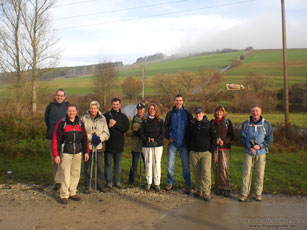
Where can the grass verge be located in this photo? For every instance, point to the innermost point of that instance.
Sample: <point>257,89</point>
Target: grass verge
<point>285,173</point>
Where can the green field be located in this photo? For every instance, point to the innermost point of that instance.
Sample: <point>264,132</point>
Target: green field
<point>296,119</point>
<point>83,85</point>
<point>213,62</point>
<point>270,64</point>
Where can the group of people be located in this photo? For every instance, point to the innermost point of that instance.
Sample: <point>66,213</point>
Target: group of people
<point>206,143</point>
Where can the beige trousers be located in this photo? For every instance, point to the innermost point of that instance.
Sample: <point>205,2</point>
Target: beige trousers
<point>247,173</point>
<point>201,162</point>
<point>56,169</point>
<point>71,167</point>
<point>152,159</point>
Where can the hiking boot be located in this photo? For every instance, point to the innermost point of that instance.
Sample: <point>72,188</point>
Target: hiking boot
<point>86,191</point>
<point>242,198</point>
<point>157,188</point>
<point>226,193</point>
<point>147,187</point>
<point>258,198</point>
<point>196,193</point>
<point>75,197</point>
<point>118,185</point>
<point>206,198</point>
<point>109,185</point>
<point>187,190</point>
<point>57,186</point>
<point>169,187</point>
<point>218,192</point>
<point>101,189</point>
<point>64,201</point>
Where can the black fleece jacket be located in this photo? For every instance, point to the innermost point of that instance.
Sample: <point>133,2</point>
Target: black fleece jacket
<point>152,128</point>
<point>115,144</point>
<point>201,136</point>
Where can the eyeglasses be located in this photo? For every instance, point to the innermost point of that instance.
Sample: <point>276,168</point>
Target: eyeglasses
<point>60,95</point>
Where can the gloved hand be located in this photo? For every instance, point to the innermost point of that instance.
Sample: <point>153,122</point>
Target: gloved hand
<point>95,140</point>
<point>152,144</point>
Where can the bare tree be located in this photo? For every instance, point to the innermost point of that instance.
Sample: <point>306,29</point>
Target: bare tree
<point>26,44</point>
<point>11,47</point>
<point>105,82</point>
<point>40,53</point>
<point>132,88</point>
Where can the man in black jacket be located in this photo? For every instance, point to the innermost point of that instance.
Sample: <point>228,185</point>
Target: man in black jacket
<point>54,112</point>
<point>201,140</point>
<point>118,124</point>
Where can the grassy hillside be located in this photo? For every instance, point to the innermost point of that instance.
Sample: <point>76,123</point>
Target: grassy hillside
<point>213,62</point>
<point>270,64</point>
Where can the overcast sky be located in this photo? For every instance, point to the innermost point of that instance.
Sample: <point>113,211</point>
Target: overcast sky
<point>91,31</point>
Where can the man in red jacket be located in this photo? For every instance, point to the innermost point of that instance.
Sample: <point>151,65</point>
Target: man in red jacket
<point>70,135</point>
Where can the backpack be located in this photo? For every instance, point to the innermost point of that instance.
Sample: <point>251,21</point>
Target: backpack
<point>251,125</point>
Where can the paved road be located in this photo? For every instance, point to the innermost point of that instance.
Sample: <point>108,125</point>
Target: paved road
<point>274,212</point>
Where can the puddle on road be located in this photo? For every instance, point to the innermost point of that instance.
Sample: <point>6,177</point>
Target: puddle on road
<point>274,212</point>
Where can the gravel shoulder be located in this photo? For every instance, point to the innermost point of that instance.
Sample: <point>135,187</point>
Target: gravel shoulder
<point>35,207</point>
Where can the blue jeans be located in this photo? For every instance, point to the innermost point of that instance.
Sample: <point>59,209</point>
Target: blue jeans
<point>116,157</point>
<point>185,160</point>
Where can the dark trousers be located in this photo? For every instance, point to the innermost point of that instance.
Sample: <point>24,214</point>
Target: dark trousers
<point>108,167</point>
<point>134,167</point>
<point>87,171</point>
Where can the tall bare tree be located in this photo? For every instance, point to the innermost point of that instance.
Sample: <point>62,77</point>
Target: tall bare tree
<point>40,52</point>
<point>11,46</point>
<point>105,82</point>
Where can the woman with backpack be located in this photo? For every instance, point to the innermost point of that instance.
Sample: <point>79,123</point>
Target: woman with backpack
<point>220,162</point>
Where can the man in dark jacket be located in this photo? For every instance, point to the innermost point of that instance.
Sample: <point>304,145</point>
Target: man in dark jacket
<point>118,124</point>
<point>136,141</point>
<point>54,112</point>
<point>176,122</point>
<point>201,142</point>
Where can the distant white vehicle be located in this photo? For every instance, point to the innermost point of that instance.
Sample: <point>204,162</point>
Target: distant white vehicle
<point>235,87</point>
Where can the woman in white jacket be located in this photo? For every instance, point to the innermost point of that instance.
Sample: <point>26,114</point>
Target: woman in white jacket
<point>97,133</point>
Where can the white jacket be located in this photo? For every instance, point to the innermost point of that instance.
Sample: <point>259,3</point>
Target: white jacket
<point>96,125</point>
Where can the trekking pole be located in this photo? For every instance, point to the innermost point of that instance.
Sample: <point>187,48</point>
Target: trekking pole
<point>140,159</point>
<point>251,174</point>
<point>91,157</point>
<point>225,166</point>
<point>95,152</point>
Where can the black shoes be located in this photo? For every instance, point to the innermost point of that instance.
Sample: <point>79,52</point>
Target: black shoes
<point>57,186</point>
<point>187,190</point>
<point>64,201</point>
<point>226,193</point>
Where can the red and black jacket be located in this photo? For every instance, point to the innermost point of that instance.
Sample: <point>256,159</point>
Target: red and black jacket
<point>72,135</point>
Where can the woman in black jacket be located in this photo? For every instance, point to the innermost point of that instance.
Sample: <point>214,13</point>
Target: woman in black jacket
<point>220,163</point>
<point>152,135</point>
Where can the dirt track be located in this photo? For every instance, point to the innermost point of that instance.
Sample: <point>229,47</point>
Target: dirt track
<point>35,207</point>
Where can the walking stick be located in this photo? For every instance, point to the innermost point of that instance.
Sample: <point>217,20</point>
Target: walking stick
<point>95,152</point>
<point>251,174</point>
<point>90,187</point>
<point>225,166</point>
<point>140,156</point>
